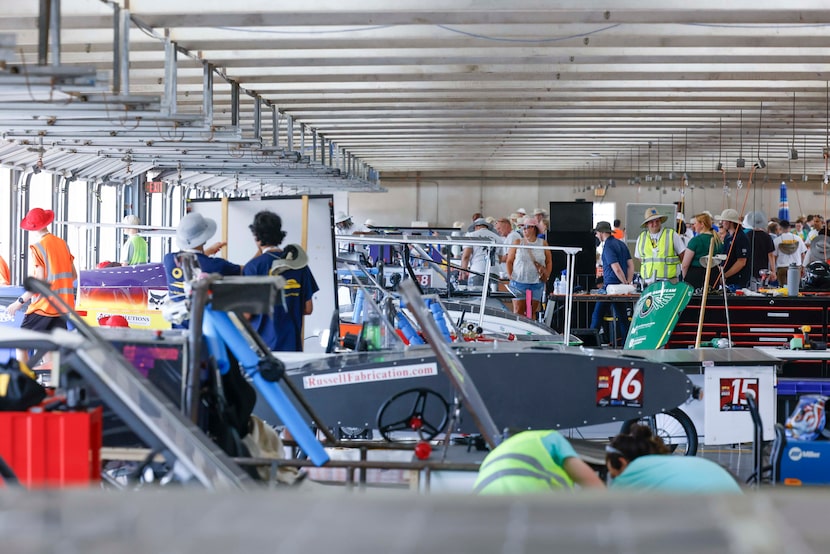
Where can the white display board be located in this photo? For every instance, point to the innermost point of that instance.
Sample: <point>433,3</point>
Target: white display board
<point>726,414</point>
<point>316,220</point>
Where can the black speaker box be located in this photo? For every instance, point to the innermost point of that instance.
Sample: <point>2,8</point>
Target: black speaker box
<point>570,217</point>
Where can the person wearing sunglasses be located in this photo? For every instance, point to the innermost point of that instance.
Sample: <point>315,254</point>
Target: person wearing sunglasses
<point>528,268</point>
<point>642,461</point>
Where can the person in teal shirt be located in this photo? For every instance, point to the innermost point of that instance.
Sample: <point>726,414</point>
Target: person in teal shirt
<point>639,460</point>
<point>534,462</point>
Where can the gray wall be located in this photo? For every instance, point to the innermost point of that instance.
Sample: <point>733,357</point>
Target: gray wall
<point>441,198</point>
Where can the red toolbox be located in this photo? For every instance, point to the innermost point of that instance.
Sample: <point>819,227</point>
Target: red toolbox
<point>53,449</point>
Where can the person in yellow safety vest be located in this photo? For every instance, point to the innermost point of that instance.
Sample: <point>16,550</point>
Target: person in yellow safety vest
<point>658,249</point>
<point>534,462</point>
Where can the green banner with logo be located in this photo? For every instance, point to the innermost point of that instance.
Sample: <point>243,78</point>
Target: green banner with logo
<point>656,314</point>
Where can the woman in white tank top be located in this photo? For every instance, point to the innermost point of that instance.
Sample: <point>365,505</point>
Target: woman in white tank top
<point>528,269</point>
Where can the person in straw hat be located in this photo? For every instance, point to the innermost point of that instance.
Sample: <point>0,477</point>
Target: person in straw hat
<point>53,263</point>
<point>658,249</point>
<point>736,247</point>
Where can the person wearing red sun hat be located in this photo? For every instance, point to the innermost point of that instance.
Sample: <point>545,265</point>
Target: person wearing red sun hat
<point>53,263</point>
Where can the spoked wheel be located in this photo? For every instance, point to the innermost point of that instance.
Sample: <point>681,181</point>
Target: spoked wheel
<point>675,427</point>
<point>421,410</point>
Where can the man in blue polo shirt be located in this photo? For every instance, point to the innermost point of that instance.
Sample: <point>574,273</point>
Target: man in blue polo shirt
<point>617,269</point>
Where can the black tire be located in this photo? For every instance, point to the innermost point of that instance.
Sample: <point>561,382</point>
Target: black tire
<point>675,427</point>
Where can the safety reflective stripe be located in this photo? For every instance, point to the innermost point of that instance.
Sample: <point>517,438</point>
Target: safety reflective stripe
<point>61,282</point>
<point>537,472</point>
<point>514,472</point>
<point>652,261</point>
<point>524,458</point>
<point>54,277</point>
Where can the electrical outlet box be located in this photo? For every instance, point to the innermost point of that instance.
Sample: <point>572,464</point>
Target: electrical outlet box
<point>740,162</point>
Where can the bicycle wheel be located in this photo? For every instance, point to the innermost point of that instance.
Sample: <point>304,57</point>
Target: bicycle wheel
<point>675,427</point>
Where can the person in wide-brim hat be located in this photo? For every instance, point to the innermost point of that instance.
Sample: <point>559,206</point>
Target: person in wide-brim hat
<point>341,216</point>
<point>730,214</point>
<point>194,230</point>
<point>652,214</point>
<point>49,260</point>
<point>603,227</point>
<point>37,219</point>
<point>756,220</point>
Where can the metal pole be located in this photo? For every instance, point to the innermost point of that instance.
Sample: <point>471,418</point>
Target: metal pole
<point>55,32</point>
<point>170,76</point>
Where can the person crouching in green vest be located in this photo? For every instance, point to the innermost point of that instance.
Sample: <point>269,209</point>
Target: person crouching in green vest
<point>534,462</point>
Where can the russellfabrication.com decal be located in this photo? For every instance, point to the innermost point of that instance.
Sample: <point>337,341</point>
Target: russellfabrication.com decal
<point>369,375</point>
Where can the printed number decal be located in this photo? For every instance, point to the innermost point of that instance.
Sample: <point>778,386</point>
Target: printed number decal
<point>425,279</point>
<point>620,386</point>
<point>733,393</point>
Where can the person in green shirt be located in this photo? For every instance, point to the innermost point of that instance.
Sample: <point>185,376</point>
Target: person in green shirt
<point>134,250</point>
<point>693,270</point>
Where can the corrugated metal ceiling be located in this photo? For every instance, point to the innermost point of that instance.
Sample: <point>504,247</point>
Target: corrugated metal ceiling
<point>370,86</point>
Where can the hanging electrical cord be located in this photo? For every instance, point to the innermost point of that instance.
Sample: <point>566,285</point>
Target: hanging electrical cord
<point>757,165</point>
<point>740,162</point>
<point>793,152</point>
<point>749,186</point>
<point>793,181</point>
<point>683,178</point>
<point>720,167</point>
<point>658,158</point>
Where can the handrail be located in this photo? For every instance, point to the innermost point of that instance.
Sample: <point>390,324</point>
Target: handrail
<point>569,251</point>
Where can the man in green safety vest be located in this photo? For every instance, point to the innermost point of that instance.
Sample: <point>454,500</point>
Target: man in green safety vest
<point>658,249</point>
<point>534,462</point>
